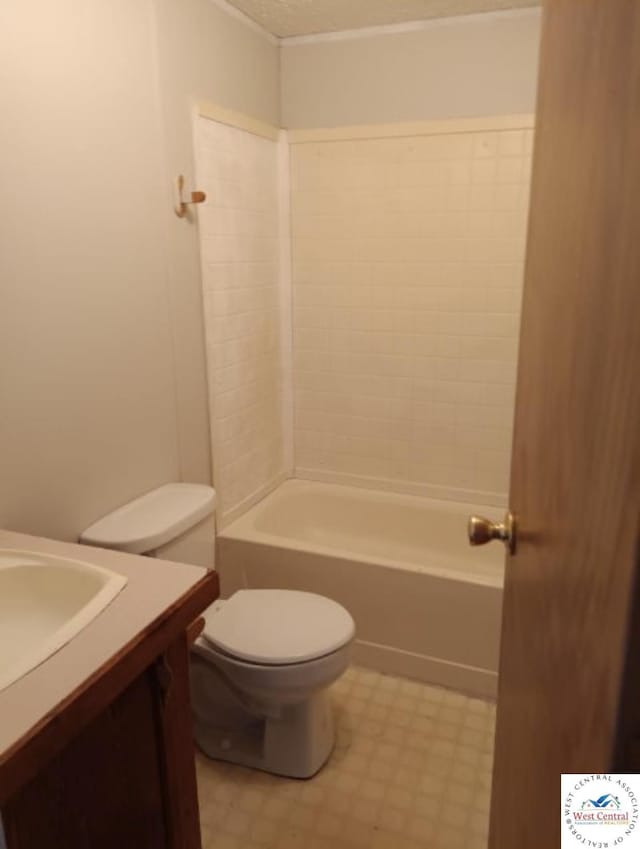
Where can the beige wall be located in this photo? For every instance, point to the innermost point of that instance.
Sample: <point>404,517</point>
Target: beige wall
<point>203,53</point>
<point>459,67</point>
<point>102,369</point>
<point>86,376</point>
<point>88,326</point>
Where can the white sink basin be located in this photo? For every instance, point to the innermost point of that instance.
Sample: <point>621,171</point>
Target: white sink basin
<point>44,602</point>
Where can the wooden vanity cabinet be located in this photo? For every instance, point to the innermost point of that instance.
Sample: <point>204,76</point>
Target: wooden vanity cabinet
<point>113,767</point>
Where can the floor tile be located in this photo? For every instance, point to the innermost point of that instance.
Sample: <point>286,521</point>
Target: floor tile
<point>411,769</point>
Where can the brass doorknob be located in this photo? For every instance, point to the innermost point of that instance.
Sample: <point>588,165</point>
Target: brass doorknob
<point>482,531</point>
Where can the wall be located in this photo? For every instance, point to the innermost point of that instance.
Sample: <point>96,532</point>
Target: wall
<point>240,235</point>
<point>102,368</point>
<point>204,53</point>
<point>86,375</point>
<point>454,67</point>
<point>407,272</point>
<point>92,345</point>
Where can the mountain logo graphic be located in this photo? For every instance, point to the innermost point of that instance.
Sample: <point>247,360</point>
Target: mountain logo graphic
<point>606,801</point>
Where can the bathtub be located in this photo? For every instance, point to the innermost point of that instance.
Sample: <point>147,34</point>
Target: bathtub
<point>426,605</point>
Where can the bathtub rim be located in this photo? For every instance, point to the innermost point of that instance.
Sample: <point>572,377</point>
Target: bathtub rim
<point>243,529</point>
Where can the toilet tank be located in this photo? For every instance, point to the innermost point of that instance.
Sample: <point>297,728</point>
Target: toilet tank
<point>174,522</point>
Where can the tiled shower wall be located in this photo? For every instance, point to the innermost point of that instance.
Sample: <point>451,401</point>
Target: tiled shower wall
<point>240,254</point>
<point>407,274</point>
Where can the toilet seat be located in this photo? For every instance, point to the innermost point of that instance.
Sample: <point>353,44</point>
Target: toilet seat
<point>277,627</point>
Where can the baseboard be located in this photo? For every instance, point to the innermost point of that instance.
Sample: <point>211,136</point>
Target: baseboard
<point>482,683</point>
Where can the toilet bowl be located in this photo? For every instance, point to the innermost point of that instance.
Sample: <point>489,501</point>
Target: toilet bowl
<point>260,675</point>
<point>261,670</point>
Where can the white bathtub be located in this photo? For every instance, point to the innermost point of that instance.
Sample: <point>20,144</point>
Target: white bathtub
<point>426,604</point>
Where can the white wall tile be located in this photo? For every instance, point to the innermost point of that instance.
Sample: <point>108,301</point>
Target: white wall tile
<point>407,272</point>
<point>240,243</point>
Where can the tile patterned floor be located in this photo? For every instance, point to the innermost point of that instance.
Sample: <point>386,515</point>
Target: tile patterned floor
<point>411,770</point>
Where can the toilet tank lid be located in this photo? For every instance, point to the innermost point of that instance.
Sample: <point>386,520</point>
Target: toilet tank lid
<point>152,520</point>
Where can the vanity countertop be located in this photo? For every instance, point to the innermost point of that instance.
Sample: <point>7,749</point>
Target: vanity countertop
<point>154,589</point>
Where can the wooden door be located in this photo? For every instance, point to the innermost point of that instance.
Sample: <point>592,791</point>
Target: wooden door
<point>575,487</point>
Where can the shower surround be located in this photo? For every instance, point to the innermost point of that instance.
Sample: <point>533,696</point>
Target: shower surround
<point>369,337</point>
<point>247,324</point>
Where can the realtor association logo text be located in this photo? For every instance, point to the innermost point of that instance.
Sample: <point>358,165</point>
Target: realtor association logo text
<point>600,810</point>
<point>599,816</point>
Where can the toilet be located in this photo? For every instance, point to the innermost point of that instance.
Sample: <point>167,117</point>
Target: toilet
<point>261,669</point>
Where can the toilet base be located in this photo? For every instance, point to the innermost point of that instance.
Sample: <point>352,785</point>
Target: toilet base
<point>296,743</point>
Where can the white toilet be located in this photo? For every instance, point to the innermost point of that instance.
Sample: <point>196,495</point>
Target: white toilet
<point>261,669</point>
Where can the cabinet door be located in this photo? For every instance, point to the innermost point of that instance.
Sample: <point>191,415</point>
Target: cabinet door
<point>127,780</point>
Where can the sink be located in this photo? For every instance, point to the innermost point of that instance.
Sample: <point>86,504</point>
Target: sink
<point>45,601</point>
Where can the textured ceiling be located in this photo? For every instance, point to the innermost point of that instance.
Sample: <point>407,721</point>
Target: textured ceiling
<point>304,17</point>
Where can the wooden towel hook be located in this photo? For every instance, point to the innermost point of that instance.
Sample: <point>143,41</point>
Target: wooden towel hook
<point>182,203</point>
